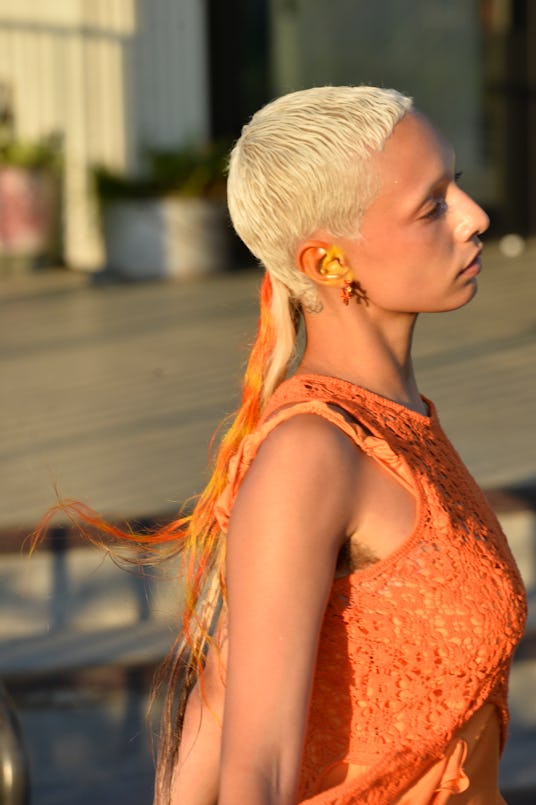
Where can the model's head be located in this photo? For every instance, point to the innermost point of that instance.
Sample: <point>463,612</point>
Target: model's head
<point>302,165</point>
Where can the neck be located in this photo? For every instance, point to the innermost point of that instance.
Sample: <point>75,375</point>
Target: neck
<point>366,348</point>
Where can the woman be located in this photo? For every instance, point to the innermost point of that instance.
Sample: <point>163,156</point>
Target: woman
<point>352,603</point>
<point>371,603</point>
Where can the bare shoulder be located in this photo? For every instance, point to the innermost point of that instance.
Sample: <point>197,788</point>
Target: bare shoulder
<point>309,437</point>
<point>303,478</point>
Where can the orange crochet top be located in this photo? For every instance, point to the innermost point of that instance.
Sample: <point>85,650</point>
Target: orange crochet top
<point>409,695</point>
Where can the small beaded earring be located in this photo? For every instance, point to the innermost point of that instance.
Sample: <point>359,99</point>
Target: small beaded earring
<point>352,288</point>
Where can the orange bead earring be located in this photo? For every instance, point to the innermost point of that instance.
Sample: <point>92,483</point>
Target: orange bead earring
<point>352,289</point>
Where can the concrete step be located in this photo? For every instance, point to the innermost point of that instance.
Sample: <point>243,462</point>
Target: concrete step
<point>51,603</point>
<point>70,606</point>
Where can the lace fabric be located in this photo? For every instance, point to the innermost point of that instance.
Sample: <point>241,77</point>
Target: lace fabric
<point>414,645</point>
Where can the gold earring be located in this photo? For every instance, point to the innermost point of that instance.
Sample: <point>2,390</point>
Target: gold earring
<point>332,267</point>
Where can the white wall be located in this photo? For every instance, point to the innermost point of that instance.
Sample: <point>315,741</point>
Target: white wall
<point>110,76</point>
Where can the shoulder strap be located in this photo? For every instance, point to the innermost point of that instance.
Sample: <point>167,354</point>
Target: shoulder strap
<point>290,402</point>
<point>323,409</point>
<point>338,394</point>
<point>241,461</point>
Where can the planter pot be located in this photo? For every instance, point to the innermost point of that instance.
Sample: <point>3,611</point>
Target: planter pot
<point>29,214</point>
<point>169,237</point>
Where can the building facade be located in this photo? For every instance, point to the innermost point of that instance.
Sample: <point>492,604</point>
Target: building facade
<point>111,77</point>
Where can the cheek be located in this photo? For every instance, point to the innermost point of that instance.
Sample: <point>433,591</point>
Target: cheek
<point>394,283</point>
<point>411,281</point>
<point>425,239</point>
<point>402,258</point>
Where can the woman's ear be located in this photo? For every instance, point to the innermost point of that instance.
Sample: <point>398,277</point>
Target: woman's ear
<point>322,262</point>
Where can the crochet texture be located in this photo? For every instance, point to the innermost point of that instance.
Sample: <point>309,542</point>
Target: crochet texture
<point>413,645</point>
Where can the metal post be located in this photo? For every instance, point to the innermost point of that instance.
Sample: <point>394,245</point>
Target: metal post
<point>14,771</point>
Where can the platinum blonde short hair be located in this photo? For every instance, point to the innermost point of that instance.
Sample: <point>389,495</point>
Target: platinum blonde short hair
<point>302,164</point>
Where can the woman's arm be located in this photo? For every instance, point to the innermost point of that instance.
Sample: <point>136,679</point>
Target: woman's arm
<point>294,509</point>
<point>196,775</point>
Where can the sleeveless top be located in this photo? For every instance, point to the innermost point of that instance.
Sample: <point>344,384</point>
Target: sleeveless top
<point>414,647</point>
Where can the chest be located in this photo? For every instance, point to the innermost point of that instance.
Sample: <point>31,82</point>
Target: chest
<point>443,589</point>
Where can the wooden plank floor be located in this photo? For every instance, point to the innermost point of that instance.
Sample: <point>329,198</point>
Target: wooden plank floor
<point>112,390</point>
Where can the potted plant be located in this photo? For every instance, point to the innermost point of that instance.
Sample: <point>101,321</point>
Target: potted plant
<point>30,175</point>
<point>171,221</point>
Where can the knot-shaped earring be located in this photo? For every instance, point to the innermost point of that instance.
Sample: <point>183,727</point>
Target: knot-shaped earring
<point>333,267</point>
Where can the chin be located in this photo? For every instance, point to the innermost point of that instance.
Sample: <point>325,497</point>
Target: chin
<point>455,302</point>
<point>469,293</point>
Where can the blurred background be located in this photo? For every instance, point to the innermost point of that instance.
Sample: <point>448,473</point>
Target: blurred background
<point>102,81</point>
<point>128,306</point>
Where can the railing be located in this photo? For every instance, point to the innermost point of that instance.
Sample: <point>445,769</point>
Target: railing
<point>14,770</point>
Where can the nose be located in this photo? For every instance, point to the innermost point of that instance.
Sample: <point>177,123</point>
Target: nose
<point>471,220</point>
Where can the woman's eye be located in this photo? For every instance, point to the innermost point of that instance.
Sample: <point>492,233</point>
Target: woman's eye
<point>439,208</point>
<point>457,176</point>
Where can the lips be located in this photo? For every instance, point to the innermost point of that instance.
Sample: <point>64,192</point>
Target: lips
<point>473,268</point>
